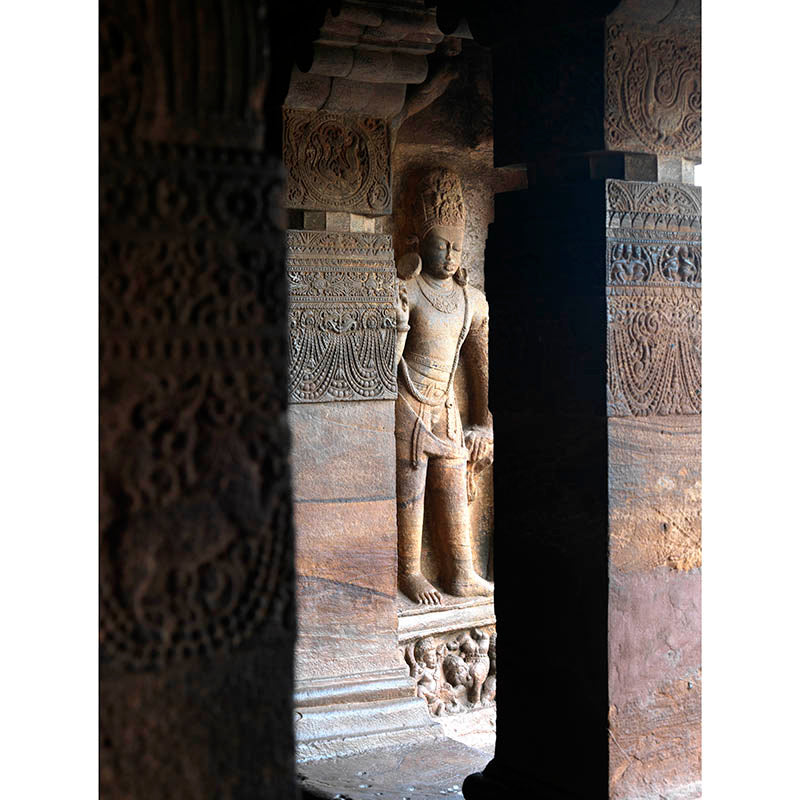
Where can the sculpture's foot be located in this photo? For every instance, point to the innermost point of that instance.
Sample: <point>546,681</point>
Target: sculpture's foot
<point>419,589</point>
<point>470,584</point>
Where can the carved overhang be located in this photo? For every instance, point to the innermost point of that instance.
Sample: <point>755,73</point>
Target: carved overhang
<point>653,91</point>
<point>653,279</point>
<point>341,316</point>
<point>364,58</point>
<point>337,163</point>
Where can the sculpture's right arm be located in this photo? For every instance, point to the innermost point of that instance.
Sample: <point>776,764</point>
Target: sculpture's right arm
<point>403,310</point>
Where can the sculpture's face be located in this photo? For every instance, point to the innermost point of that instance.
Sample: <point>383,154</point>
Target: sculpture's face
<point>429,657</point>
<point>441,252</point>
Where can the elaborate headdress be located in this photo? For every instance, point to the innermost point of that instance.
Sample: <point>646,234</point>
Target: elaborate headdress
<point>439,202</point>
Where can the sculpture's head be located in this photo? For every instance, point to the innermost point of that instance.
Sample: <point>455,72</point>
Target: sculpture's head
<point>469,648</point>
<point>440,219</point>
<point>456,672</point>
<point>425,652</point>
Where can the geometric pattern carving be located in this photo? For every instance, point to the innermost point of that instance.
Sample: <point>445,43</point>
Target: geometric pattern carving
<point>653,280</point>
<point>342,324</point>
<point>653,92</point>
<point>336,162</point>
<point>195,494</point>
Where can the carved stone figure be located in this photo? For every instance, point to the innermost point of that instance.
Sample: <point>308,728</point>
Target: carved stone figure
<point>439,320</point>
<point>459,681</point>
<point>457,675</point>
<point>489,690</point>
<point>424,659</point>
<point>474,649</point>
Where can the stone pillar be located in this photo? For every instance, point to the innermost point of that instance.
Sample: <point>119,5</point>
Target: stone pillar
<point>593,274</point>
<point>196,548</point>
<point>351,679</point>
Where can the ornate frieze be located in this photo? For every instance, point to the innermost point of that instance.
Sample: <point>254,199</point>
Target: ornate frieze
<point>337,162</point>
<point>457,674</point>
<point>653,279</point>
<point>653,91</point>
<point>342,289</point>
<point>667,207</point>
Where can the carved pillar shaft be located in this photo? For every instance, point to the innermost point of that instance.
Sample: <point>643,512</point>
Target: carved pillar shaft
<point>196,551</point>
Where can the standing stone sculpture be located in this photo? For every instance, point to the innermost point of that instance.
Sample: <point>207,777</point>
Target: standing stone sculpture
<point>440,319</point>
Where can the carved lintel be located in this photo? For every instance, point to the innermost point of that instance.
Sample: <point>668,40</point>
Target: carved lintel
<point>341,316</point>
<point>653,91</point>
<point>337,162</point>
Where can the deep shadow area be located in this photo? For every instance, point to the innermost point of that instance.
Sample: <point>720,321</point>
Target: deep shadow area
<point>545,284</point>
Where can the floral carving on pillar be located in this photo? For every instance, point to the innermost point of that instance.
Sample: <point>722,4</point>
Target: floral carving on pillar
<point>653,280</point>
<point>337,162</point>
<point>342,325</point>
<point>653,91</point>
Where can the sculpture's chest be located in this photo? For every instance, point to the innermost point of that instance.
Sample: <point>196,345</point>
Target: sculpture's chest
<point>438,326</point>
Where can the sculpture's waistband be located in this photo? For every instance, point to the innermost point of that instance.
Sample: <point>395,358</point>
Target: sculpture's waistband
<point>426,370</point>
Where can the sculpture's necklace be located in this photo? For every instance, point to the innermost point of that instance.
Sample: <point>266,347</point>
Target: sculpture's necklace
<point>446,302</point>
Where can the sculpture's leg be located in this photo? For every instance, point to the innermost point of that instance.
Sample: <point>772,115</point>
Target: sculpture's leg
<point>447,483</point>
<point>410,513</point>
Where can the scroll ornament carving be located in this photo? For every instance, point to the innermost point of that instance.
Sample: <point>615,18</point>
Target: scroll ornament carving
<point>654,352</point>
<point>341,316</point>
<point>653,92</point>
<point>337,162</point>
<point>457,675</point>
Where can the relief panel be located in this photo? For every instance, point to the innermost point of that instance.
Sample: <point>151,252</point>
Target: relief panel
<point>336,162</point>
<point>342,324</point>
<point>457,674</point>
<point>653,91</point>
<point>653,280</point>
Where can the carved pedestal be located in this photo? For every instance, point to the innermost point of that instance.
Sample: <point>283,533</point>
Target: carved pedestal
<point>461,685</point>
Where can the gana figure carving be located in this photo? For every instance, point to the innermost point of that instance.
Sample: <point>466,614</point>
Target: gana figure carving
<point>439,320</point>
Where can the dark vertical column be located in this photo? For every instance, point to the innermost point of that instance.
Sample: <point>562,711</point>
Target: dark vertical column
<point>593,277</point>
<point>547,358</point>
<point>196,547</point>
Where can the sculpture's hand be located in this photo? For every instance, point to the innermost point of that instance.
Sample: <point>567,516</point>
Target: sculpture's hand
<point>480,443</point>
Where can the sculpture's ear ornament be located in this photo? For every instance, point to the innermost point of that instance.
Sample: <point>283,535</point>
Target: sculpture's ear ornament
<point>409,265</point>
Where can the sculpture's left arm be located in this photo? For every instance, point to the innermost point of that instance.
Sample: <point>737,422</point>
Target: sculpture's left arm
<point>475,358</point>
